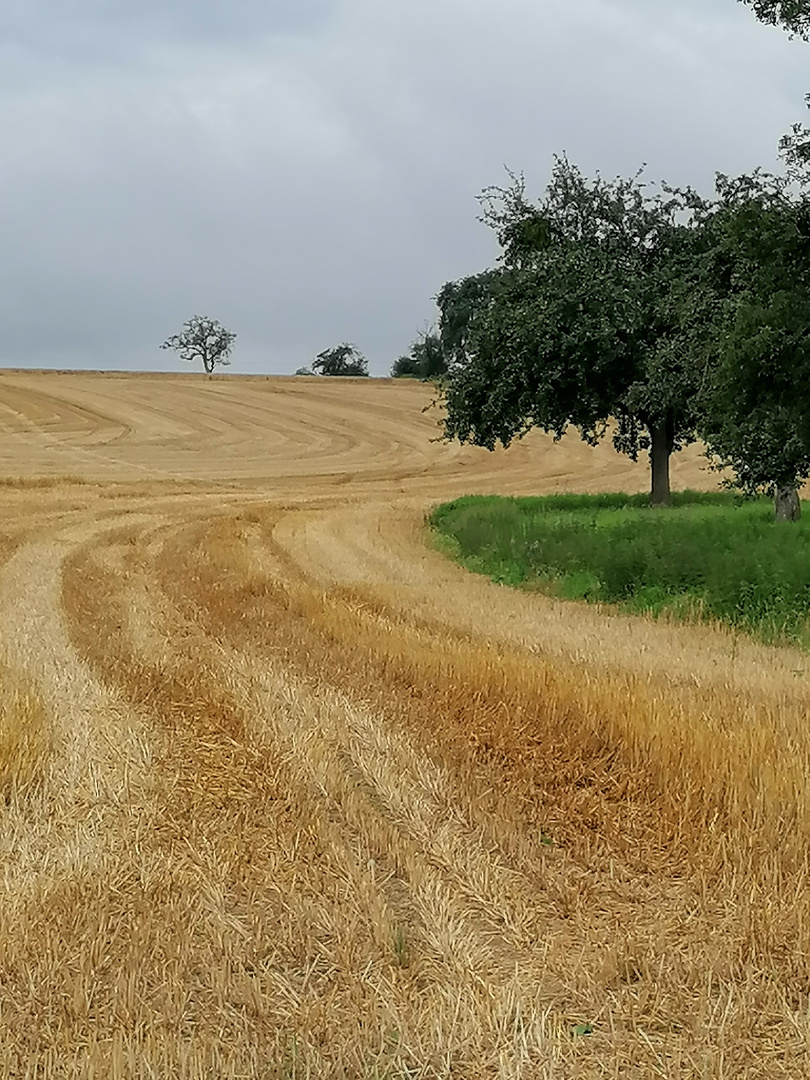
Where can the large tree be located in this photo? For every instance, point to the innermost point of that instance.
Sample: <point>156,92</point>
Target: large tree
<point>203,338</point>
<point>756,401</point>
<point>589,320</point>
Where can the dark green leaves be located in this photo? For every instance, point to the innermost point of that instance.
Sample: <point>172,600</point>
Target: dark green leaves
<point>757,399</point>
<point>428,359</point>
<point>794,15</point>
<point>662,312</point>
<point>583,319</point>
<point>345,359</point>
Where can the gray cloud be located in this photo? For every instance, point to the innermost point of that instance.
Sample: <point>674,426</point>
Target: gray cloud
<point>307,172</point>
<point>96,30</point>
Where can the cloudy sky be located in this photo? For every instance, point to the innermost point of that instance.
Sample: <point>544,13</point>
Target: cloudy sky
<point>306,170</point>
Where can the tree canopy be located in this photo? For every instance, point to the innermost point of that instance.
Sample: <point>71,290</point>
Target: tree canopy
<point>345,359</point>
<point>202,338</point>
<point>426,359</point>
<point>659,317</point>
<point>794,15</point>
<point>756,401</point>
<point>583,321</point>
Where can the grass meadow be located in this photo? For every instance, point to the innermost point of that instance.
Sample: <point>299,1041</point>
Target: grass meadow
<point>711,556</point>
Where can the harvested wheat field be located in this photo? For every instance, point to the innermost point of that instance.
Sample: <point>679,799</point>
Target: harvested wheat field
<point>287,794</point>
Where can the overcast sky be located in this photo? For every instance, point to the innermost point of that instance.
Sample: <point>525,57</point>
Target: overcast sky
<point>306,170</point>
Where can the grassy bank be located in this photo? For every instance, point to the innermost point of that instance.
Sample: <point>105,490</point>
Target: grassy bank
<point>708,557</point>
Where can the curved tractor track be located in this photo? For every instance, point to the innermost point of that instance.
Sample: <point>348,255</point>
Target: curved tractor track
<point>286,794</point>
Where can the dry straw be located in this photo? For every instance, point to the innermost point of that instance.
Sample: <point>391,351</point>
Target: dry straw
<point>288,795</point>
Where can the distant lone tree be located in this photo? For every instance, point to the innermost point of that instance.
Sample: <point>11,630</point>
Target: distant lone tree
<point>345,359</point>
<point>202,339</point>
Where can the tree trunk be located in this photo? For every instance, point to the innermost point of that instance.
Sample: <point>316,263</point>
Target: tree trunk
<point>660,453</point>
<point>786,504</point>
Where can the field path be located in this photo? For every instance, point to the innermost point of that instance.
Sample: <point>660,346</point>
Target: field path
<point>312,801</point>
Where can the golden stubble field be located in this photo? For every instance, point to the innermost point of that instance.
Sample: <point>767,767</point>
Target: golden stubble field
<point>286,794</point>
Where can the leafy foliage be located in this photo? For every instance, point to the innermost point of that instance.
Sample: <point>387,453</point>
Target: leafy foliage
<point>585,319</point>
<point>794,15</point>
<point>203,339</point>
<point>795,149</point>
<point>757,397</point>
<point>345,359</point>
<point>669,314</point>
<point>427,359</point>
<point>405,367</point>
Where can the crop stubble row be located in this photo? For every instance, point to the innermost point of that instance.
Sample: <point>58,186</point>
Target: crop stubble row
<point>335,809</point>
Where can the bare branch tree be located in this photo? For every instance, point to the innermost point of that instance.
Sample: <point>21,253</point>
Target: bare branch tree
<point>202,339</point>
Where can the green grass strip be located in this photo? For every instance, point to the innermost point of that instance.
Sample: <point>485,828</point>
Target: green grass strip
<point>709,556</point>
